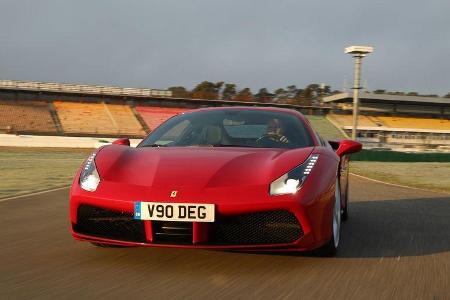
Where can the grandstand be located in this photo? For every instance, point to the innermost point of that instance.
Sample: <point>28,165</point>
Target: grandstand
<point>395,121</point>
<point>88,110</point>
<point>411,122</point>
<point>28,107</point>
<point>26,116</point>
<point>98,119</point>
<point>372,103</point>
<point>153,116</point>
<point>387,121</point>
<point>83,89</point>
<point>124,119</point>
<point>346,120</point>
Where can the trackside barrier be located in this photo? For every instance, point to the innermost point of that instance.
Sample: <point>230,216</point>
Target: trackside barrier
<point>395,156</point>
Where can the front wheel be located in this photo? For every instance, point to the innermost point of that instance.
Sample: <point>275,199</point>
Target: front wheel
<point>330,249</point>
<point>345,210</point>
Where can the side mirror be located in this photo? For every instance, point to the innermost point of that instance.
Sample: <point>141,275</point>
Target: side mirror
<point>344,147</point>
<point>123,141</point>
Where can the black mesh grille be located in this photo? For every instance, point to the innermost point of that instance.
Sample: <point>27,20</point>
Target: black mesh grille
<point>172,232</point>
<point>271,227</point>
<point>109,224</point>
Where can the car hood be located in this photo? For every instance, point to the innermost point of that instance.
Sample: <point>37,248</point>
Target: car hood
<point>199,167</point>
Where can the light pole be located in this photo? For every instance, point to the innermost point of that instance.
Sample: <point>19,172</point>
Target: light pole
<point>358,52</point>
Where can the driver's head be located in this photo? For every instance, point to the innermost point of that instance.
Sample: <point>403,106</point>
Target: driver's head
<point>274,127</point>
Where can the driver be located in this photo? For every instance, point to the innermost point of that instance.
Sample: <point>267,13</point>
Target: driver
<point>275,131</point>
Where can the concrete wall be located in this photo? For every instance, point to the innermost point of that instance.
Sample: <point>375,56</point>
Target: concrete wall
<point>10,140</point>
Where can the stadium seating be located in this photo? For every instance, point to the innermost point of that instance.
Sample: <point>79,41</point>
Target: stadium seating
<point>393,122</point>
<point>26,116</point>
<point>125,119</point>
<point>347,120</point>
<point>102,119</point>
<point>416,123</point>
<point>153,116</point>
<point>97,118</point>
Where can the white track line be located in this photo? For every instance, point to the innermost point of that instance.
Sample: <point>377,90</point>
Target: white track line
<point>34,194</point>
<point>396,185</point>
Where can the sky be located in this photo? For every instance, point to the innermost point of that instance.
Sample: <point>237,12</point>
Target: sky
<point>256,44</point>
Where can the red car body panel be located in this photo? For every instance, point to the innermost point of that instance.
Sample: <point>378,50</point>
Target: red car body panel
<point>236,180</point>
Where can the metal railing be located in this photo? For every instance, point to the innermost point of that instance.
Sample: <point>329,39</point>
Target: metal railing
<point>81,88</point>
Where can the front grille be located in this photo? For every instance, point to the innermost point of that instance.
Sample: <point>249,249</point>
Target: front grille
<point>109,224</point>
<point>172,232</point>
<point>271,227</point>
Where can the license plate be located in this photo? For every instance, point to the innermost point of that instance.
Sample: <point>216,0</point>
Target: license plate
<point>185,212</point>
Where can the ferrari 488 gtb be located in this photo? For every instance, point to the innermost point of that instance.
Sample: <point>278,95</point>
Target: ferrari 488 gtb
<point>237,178</point>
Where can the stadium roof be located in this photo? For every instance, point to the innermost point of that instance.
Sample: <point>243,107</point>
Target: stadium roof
<point>81,88</point>
<point>345,97</point>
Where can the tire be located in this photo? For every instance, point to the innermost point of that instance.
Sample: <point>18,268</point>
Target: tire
<point>331,248</point>
<point>345,211</point>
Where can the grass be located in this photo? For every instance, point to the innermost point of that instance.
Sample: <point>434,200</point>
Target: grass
<point>327,130</point>
<point>25,170</point>
<point>426,175</point>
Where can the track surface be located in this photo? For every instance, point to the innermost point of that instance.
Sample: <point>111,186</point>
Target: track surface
<point>395,245</point>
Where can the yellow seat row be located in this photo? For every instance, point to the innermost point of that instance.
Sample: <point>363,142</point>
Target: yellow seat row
<point>393,122</point>
<point>418,123</point>
<point>97,118</point>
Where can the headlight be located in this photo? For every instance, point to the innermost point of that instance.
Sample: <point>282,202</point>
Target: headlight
<point>89,178</point>
<point>293,180</point>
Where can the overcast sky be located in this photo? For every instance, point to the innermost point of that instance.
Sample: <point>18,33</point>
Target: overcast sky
<point>255,44</point>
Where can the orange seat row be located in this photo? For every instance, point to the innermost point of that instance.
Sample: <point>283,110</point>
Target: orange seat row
<point>97,118</point>
<point>26,116</point>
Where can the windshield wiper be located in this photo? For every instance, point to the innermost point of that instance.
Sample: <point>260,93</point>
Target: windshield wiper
<point>211,145</point>
<point>155,145</point>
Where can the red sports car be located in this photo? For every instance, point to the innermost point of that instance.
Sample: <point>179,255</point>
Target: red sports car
<point>239,178</point>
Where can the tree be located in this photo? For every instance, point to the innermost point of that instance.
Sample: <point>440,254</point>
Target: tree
<point>412,94</point>
<point>291,92</point>
<point>379,92</point>
<point>311,91</point>
<point>218,87</point>
<point>447,96</point>
<point>229,91</point>
<point>179,92</point>
<point>396,93</point>
<point>326,90</point>
<point>263,96</point>
<point>207,90</point>
<point>280,95</point>
<point>299,94</point>
<point>245,95</point>
<point>311,94</point>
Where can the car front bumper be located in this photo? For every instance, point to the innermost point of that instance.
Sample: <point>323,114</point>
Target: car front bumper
<point>291,222</point>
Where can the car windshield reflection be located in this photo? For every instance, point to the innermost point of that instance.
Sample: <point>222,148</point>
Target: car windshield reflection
<point>231,128</point>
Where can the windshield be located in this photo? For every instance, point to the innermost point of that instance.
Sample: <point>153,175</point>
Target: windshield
<point>231,128</point>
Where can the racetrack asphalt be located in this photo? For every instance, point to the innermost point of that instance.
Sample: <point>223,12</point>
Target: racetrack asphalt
<point>395,245</point>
